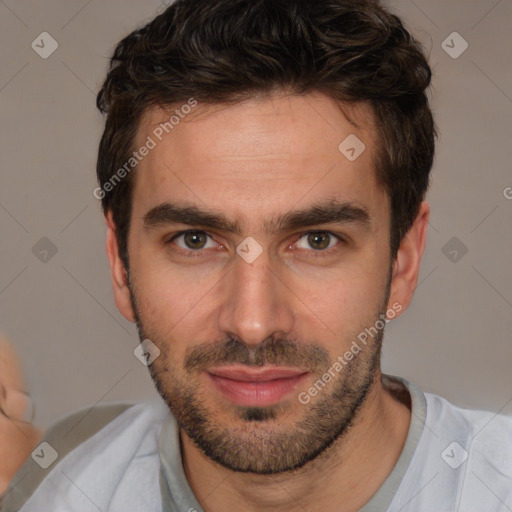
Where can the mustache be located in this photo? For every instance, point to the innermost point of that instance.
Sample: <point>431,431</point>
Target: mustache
<point>272,351</point>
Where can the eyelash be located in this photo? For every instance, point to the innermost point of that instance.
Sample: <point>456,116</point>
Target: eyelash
<point>311,254</point>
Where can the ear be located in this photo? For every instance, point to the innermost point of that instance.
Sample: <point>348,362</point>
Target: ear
<point>406,266</point>
<point>118,272</point>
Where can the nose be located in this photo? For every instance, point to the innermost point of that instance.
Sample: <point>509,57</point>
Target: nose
<point>256,303</point>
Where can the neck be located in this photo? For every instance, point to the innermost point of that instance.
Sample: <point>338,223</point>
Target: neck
<point>344,477</point>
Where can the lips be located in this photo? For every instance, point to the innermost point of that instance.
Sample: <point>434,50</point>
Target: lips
<point>255,387</point>
<point>257,375</point>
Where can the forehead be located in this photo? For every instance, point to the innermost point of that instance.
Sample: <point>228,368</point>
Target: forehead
<point>264,154</point>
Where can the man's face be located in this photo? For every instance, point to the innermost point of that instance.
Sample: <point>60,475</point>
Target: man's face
<point>297,306</point>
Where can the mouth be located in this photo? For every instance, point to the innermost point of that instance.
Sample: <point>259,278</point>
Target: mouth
<point>255,387</point>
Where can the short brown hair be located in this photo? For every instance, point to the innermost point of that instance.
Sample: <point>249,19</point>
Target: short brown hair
<point>224,51</point>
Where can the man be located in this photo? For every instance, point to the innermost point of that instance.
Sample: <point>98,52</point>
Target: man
<point>263,172</point>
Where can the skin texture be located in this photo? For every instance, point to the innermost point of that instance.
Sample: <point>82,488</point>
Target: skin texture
<point>17,439</point>
<point>254,161</point>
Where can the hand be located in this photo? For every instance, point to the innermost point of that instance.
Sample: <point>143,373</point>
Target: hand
<point>18,437</point>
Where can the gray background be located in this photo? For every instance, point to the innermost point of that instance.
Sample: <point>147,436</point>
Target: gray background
<point>78,350</point>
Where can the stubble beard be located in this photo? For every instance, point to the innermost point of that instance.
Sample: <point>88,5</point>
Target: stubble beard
<point>258,441</point>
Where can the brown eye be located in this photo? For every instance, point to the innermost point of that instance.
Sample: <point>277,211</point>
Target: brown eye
<point>317,240</point>
<point>195,240</point>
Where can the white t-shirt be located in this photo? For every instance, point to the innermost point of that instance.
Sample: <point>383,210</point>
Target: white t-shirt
<point>454,460</point>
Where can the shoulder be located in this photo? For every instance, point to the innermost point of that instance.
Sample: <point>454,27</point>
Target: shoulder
<point>486,435</point>
<point>471,450</point>
<point>92,448</point>
<point>462,460</point>
<point>477,425</point>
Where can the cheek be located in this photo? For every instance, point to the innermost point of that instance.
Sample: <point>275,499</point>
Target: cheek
<point>171,302</point>
<point>341,308</point>
<point>157,275</point>
<point>345,294</point>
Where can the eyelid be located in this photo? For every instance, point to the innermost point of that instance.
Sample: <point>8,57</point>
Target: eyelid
<point>301,235</point>
<point>178,234</point>
<point>340,239</point>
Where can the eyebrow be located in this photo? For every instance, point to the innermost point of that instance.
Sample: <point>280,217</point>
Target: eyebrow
<point>328,212</point>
